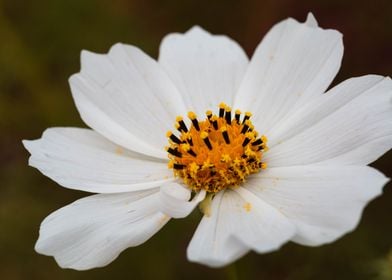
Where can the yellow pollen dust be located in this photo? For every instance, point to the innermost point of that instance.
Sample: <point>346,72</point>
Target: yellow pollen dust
<point>216,153</point>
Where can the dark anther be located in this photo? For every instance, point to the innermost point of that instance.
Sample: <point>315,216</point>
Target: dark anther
<point>257,142</point>
<point>245,129</point>
<point>226,136</point>
<point>215,124</point>
<point>228,116</point>
<point>196,124</point>
<point>237,117</point>
<point>247,117</point>
<point>246,142</point>
<point>175,139</point>
<point>221,112</point>
<point>174,152</point>
<point>208,143</point>
<point>192,153</point>
<point>182,126</point>
<point>178,166</point>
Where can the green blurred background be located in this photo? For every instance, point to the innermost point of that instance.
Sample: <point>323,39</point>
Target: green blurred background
<point>40,43</point>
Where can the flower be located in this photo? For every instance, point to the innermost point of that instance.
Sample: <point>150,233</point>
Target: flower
<point>308,184</point>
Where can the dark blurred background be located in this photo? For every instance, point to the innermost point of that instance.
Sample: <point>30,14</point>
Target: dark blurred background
<point>40,43</point>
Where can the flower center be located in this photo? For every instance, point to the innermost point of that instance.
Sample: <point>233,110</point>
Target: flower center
<point>216,153</point>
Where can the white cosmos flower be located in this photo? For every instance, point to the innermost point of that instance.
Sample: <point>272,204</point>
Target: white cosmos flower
<point>312,192</point>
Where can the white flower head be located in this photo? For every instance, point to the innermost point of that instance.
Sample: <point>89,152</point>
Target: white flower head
<point>308,184</point>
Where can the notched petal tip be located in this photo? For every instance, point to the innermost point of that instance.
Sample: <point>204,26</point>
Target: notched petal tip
<point>39,248</point>
<point>72,79</point>
<point>28,144</point>
<point>122,47</point>
<point>86,55</point>
<point>388,80</point>
<point>382,181</point>
<point>89,59</point>
<point>197,30</point>
<point>32,146</point>
<point>311,20</point>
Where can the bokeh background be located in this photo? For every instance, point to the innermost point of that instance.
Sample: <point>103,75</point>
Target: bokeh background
<point>40,43</point>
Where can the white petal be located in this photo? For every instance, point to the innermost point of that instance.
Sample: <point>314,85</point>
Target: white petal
<point>84,160</point>
<point>93,231</point>
<point>294,63</point>
<point>174,200</point>
<point>128,98</point>
<point>311,20</point>
<point>211,244</point>
<point>323,202</point>
<point>207,69</point>
<point>257,224</point>
<point>350,124</point>
<point>238,217</point>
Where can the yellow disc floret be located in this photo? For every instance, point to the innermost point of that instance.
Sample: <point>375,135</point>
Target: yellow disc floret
<point>216,153</point>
